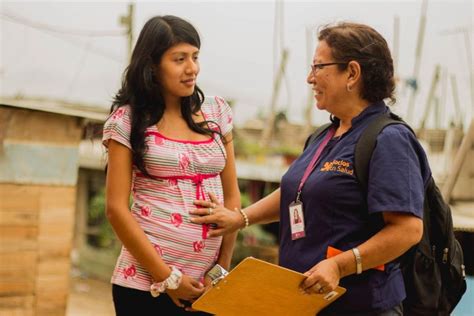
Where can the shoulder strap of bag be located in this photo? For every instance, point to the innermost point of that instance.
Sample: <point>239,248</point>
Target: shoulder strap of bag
<point>366,144</point>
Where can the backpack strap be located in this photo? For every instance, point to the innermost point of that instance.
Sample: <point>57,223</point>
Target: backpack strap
<point>366,144</point>
<point>312,138</point>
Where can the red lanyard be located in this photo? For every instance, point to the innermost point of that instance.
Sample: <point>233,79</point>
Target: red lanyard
<point>315,160</point>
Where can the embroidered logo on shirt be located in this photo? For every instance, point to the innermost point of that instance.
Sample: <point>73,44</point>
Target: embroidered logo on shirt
<point>341,166</point>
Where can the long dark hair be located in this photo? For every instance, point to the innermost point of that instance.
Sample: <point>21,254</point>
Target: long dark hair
<point>141,91</point>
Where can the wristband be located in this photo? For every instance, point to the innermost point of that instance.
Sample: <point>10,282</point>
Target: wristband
<point>358,260</point>
<point>216,274</point>
<point>172,282</point>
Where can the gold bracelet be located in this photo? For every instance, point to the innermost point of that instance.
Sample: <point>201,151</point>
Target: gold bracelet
<point>246,218</point>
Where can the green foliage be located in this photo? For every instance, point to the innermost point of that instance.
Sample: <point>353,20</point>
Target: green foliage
<point>97,206</point>
<point>248,149</point>
<point>245,199</point>
<point>255,242</point>
<point>255,235</point>
<point>288,150</point>
<point>100,233</point>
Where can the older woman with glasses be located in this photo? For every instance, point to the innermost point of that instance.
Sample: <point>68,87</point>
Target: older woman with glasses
<point>346,236</point>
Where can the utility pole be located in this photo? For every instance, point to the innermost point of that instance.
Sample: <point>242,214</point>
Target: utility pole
<point>268,129</point>
<point>127,22</point>
<point>458,116</point>
<point>396,43</point>
<point>431,98</point>
<point>467,42</point>
<point>459,159</point>
<point>310,95</point>
<point>278,30</point>
<point>416,67</point>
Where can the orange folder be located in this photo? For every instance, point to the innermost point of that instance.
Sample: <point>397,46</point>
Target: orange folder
<point>334,252</point>
<point>255,287</point>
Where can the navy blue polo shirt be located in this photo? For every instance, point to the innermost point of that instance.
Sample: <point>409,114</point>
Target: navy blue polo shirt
<point>337,214</point>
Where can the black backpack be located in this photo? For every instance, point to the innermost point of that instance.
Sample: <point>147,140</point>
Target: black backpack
<point>433,270</point>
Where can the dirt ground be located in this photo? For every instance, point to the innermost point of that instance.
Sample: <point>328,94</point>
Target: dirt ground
<point>89,297</point>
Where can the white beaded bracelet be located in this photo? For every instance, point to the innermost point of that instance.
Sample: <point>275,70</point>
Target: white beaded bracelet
<point>246,218</point>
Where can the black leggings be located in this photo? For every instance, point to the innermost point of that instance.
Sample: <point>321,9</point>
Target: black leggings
<point>131,302</point>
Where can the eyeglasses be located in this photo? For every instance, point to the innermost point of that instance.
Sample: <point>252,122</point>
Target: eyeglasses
<point>316,67</point>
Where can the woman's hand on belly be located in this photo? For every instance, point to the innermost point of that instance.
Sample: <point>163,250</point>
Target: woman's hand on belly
<point>322,278</point>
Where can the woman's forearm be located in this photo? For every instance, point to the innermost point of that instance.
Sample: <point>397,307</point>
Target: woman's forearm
<point>228,241</point>
<point>399,234</point>
<point>135,241</point>
<point>226,251</point>
<point>232,201</point>
<point>228,220</point>
<point>132,236</point>
<point>266,210</point>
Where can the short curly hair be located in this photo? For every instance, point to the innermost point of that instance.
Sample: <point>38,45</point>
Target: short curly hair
<point>359,42</point>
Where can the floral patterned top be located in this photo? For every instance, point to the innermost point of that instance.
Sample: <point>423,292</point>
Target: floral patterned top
<point>182,172</point>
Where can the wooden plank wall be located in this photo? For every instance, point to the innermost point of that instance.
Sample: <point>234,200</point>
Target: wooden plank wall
<point>36,214</point>
<point>18,249</point>
<point>38,148</point>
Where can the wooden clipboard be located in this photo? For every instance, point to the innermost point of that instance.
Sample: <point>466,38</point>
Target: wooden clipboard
<point>256,287</point>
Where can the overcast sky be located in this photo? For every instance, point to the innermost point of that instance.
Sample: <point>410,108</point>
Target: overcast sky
<point>39,57</point>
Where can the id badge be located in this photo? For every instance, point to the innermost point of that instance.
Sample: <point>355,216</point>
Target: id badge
<point>296,220</point>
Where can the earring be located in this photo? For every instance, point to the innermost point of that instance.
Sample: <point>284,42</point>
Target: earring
<point>349,88</point>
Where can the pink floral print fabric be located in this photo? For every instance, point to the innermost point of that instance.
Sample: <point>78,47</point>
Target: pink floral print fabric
<point>182,170</point>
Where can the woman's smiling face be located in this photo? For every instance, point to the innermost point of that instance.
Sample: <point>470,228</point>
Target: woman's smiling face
<point>177,71</point>
<point>328,81</point>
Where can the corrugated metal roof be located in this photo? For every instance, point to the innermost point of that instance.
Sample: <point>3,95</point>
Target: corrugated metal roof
<point>91,112</point>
